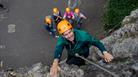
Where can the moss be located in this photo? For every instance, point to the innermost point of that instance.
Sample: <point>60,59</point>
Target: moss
<point>115,12</point>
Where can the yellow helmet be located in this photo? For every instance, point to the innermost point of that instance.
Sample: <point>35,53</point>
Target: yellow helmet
<point>63,26</point>
<point>77,10</point>
<point>55,10</point>
<point>67,9</point>
<point>48,20</point>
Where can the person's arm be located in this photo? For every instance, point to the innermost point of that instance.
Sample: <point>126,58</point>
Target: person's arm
<point>64,16</point>
<point>106,56</point>
<point>54,68</point>
<point>60,16</point>
<point>97,43</point>
<point>58,52</point>
<point>82,16</point>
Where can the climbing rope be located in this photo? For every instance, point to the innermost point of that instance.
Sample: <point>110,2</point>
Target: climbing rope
<point>111,73</point>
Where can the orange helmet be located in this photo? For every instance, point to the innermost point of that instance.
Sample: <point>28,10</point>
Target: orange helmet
<point>48,20</point>
<point>55,10</point>
<point>77,10</point>
<point>63,26</point>
<point>67,9</point>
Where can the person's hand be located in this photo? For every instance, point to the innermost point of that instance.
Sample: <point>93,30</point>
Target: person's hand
<point>54,69</point>
<point>107,56</point>
<point>60,17</point>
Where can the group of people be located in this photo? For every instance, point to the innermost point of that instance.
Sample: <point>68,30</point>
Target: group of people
<point>74,17</point>
<point>76,42</point>
<point>71,37</point>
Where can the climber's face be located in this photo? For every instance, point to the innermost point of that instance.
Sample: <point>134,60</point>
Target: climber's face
<point>69,35</point>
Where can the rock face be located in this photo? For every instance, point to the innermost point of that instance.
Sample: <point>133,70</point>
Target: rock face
<point>124,41</point>
<point>123,44</point>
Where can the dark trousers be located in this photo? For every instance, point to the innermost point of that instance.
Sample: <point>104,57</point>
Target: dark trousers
<point>1,6</point>
<point>76,61</point>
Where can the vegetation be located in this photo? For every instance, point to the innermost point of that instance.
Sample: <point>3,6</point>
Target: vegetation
<point>115,12</point>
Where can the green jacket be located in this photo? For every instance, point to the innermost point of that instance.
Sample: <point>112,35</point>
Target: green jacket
<point>83,41</point>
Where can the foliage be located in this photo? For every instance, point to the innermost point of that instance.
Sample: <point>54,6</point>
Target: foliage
<point>116,10</point>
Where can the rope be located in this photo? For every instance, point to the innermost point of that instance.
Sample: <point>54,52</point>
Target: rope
<point>113,74</point>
